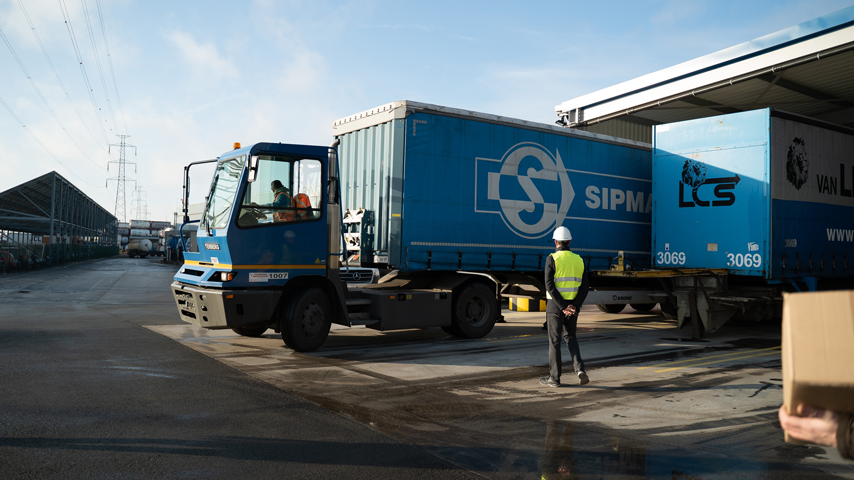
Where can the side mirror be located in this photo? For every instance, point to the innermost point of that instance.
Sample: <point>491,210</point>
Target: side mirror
<point>253,168</point>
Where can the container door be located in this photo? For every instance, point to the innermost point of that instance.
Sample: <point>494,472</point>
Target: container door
<point>710,184</point>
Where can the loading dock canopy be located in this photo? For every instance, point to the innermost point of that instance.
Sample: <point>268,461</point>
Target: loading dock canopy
<point>807,69</point>
<point>51,205</point>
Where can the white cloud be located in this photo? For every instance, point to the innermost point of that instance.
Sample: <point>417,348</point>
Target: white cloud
<point>203,58</point>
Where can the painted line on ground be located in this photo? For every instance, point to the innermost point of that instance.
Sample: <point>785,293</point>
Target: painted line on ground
<point>699,359</point>
<point>717,361</point>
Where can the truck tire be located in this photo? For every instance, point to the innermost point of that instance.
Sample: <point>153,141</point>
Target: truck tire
<point>642,307</point>
<point>607,308</point>
<point>249,331</point>
<point>475,311</point>
<point>308,319</point>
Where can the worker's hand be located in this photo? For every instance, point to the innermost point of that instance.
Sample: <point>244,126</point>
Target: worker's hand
<point>569,311</point>
<point>811,424</point>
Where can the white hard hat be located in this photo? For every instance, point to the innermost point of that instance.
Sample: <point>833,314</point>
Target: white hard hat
<point>562,234</point>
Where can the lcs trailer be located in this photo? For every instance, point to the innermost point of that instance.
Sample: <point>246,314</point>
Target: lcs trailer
<point>762,200</point>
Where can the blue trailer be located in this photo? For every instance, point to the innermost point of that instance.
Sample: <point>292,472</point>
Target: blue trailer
<point>763,196</point>
<point>457,207</point>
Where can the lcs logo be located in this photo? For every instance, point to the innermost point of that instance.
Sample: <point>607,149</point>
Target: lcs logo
<point>529,187</point>
<point>694,175</point>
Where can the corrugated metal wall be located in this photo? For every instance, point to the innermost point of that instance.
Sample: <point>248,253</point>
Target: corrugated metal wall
<point>621,128</point>
<point>366,167</point>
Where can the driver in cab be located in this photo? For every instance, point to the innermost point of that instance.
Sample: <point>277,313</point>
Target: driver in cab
<point>282,199</point>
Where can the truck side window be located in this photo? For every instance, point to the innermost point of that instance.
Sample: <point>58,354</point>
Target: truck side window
<point>286,190</point>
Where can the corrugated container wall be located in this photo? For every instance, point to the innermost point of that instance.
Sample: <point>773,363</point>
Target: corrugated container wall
<point>367,157</point>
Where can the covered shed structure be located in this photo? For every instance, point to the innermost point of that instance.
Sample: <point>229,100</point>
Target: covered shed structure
<point>807,69</point>
<point>48,221</point>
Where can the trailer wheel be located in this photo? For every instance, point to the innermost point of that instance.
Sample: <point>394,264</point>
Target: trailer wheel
<point>249,331</point>
<point>643,307</point>
<point>308,320</point>
<point>475,311</point>
<point>607,308</point>
<point>668,311</point>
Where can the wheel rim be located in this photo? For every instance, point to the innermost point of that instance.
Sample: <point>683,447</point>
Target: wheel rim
<point>312,320</point>
<point>476,311</point>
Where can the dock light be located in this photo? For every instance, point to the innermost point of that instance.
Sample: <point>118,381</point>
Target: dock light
<point>236,145</point>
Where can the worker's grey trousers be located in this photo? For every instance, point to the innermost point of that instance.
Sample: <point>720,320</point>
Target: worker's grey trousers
<point>559,325</point>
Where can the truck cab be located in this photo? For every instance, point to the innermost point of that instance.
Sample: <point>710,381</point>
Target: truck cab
<point>256,243</point>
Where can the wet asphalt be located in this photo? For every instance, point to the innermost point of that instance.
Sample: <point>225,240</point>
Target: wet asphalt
<point>87,392</point>
<point>102,380</point>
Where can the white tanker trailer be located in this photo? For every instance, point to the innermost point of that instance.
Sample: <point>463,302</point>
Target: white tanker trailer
<point>141,247</point>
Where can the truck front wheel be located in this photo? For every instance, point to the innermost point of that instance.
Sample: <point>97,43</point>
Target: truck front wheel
<point>475,311</point>
<point>307,320</point>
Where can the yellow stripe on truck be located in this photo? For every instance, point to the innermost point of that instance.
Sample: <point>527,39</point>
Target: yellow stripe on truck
<point>255,267</point>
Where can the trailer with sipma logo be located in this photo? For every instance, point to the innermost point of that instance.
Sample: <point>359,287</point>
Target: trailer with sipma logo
<point>453,199</point>
<point>765,198</point>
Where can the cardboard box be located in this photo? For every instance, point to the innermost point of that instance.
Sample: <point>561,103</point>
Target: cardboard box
<point>818,351</point>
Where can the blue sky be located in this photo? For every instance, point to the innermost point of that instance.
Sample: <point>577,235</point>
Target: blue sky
<point>195,76</point>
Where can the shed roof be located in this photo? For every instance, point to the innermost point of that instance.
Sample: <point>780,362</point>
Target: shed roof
<point>806,69</point>
<point>30,207</point>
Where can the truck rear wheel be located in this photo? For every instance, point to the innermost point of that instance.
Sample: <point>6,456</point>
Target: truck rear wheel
<point>307,321</point>
<point>249,331</point>
<point>643,307</point>
<point>607,308</point>
<point>475,311</point>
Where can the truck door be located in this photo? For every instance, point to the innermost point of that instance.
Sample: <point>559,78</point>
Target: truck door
<point>281,228</point>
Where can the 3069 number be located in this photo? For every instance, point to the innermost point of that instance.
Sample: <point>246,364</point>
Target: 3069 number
<point>746,260</point>
<point>671,258</point>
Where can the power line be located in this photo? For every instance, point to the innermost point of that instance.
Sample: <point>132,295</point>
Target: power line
<point>91,92</point>
<point>42,144</point>
<point>55,73</point>
<point>110,61</point>
<point>44,100</point>
<point>98,62</point>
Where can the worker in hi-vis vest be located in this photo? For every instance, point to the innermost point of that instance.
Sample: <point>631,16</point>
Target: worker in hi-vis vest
<point>566,289</point>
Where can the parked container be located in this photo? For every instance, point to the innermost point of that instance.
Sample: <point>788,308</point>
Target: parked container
<point>159,225</point>
<point>124,231</point>
<point>761,193</point>
<point>449,189</point>
<point>140,224</point>
<point>141,248</point>
<point>136,232</point>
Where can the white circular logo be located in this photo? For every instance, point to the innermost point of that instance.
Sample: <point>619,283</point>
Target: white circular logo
<point>552,170</point>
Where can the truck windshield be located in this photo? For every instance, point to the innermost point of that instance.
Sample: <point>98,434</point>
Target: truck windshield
<point>224,188</point>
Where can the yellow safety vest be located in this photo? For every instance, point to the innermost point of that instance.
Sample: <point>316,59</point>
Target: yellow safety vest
<point>569,268</point>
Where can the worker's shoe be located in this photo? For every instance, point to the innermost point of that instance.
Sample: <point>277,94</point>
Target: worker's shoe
<point>549,382</point>
<point>583,379</point>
